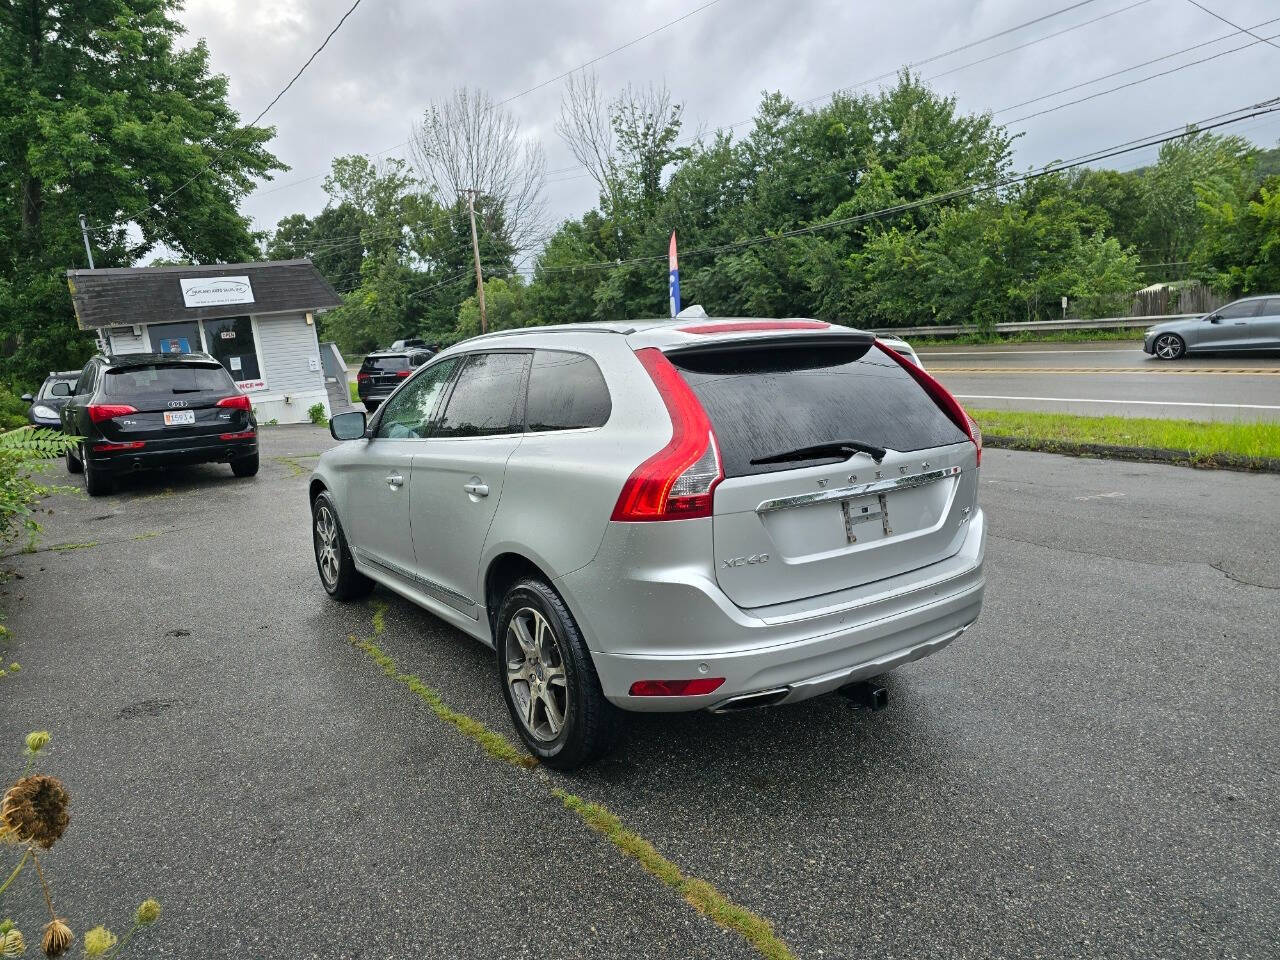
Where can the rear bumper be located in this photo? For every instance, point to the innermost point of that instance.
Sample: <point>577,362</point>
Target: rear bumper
<point>161,453</point>
<point>841,638</point>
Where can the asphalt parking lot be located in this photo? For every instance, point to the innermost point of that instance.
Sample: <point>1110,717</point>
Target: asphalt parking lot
<point>1092,771</point>
<point>1110,378</point>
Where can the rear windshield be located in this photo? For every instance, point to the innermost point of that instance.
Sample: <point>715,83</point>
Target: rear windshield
<point>763,402</point>
<point>160,381</point>
<point>385,364</point>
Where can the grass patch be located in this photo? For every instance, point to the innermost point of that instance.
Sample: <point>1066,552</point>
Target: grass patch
<point>354,390</point>
<point>699,894</point>
<point>63,547</point>
<point>1031,336</point>
<point>297,468</point>
<point>1201,442</point>
<point>149,535</point>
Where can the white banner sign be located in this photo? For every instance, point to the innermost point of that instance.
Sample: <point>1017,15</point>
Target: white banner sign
<point>216,291</point>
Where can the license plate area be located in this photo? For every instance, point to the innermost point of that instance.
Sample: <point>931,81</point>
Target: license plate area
<point>860,511</point>
<point>179,418</point>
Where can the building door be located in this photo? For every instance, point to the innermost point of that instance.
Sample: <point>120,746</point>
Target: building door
<point>232,344</point>
<point>181,337</point>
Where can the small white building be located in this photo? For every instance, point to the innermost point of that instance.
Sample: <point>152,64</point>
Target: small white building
<point>257,319</point>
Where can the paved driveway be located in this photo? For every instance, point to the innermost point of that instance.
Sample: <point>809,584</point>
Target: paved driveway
<point>1092,771</point>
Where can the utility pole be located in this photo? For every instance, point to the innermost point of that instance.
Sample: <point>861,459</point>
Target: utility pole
<point>475,249</point>
<point>84,232</point>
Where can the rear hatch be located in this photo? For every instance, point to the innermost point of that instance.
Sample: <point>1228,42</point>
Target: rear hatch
<point>382,373</point>
<point>813,523</point>
<point>174,402</point>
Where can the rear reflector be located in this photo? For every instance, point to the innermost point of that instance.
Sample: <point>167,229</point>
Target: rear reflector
<point>112,447</point>
<point>238,402</point>
<point>941,396</point>
<point>743,326</point>
<point>98,412</point>
<point>243,435</point>
<point>679,481</point>
<point>676,688</point>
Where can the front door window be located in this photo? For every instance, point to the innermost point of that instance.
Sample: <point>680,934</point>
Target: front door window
<point>231,343</point>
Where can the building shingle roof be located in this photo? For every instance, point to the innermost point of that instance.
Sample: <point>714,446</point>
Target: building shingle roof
<point>126,296</point>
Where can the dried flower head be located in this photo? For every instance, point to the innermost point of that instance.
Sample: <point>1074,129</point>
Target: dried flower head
<point>98,941</point>
<point>12,944</point>
<point>148,912</point>
<point>57,937</point>
<point>37,740</point>
<point>35,809</point>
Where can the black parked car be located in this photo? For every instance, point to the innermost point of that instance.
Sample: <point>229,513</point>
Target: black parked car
<point>51,397</point>
<point>145,410</point>
<point>383,370</point>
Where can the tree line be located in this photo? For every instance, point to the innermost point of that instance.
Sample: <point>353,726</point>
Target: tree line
<point>103,112</point>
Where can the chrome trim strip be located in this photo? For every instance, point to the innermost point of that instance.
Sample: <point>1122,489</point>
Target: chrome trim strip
<point>443,594</point>
<point>861,490</point>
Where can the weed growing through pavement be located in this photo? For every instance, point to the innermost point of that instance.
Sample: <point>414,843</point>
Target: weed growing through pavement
<point>34,815</point>
<point>296,469</point>
<point>699,894</point>
<point>64,547</point>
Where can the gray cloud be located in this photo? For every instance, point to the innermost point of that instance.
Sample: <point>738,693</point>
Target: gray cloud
<point>394,56</point>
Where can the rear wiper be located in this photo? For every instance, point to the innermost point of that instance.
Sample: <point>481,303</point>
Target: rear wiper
<point>829,449</point>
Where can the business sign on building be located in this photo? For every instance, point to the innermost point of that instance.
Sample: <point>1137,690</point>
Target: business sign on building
<point>216,291</point>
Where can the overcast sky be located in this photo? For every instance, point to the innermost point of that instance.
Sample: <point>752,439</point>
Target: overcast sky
<point>393,57</point>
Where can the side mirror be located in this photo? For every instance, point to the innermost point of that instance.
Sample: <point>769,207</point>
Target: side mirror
<point>60,389</point>
<point>1214,318</point>
<point>348,426</point>
<point>28,398</point>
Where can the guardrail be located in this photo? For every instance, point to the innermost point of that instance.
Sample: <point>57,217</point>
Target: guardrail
<point>1105,323</point>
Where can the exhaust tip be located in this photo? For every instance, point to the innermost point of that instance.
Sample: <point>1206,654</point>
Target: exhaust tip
<point>752,701</point>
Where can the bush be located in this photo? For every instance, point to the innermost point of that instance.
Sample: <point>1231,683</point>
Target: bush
<point>13,409</point>
<point>21,451</point>
<point>317,414</point>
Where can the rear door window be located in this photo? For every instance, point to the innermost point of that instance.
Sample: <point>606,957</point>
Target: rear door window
<point>155,382</point>
<point>566,392</point>
<point>486,397</point>
<point>767,401</point>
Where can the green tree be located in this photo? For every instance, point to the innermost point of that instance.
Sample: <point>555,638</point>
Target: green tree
<point>1239,250</point>
<point>102,113</point>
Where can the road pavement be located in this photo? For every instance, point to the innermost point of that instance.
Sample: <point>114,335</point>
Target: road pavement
<point>1108,379</point>
<point>1090,772</point>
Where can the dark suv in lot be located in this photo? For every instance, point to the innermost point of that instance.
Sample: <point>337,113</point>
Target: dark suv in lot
<point>384,370</point>
<point>145,410</point>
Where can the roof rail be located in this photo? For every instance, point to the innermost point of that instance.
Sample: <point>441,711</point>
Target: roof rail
<point>554,328</point>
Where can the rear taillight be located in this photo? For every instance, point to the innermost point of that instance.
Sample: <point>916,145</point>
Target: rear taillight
<point>679,481</point>
<point>403,373</point>
<point>112,447</point>
<point>238,402</point>
<point>941,396</point>
<point>242,435</point>
<point>98,412</point>
<point>697,687</point>
<point>360,377</point>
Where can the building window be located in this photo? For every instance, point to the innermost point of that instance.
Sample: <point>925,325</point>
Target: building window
<point>230,341</point>
<point>176,337</point>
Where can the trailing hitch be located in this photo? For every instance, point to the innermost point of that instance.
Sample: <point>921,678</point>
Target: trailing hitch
<point>866,693</point>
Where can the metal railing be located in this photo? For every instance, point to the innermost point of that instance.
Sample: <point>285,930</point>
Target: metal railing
<point>1105,323</point>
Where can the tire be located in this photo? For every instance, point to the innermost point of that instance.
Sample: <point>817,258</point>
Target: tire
<point>1169,346</point>
<point>97,482</point>
<point>338,573</point>
<point>528,668</point>
<point>371,406</point>
<point>74,463</point>
<point>245,466</point>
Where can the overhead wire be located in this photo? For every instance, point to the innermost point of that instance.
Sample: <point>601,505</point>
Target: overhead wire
<point>1218,16</point>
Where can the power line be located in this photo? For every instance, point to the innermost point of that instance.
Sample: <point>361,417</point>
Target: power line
<point>240,133</point>
<point>1137,66</point>
<point>1258,109</point>
<point>1134,83</point>
<point>1219,16</point>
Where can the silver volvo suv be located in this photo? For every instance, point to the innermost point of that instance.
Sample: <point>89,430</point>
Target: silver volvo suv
<point>663,515</point>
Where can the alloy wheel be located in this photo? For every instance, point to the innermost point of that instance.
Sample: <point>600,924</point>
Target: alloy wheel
<point>327,545</point>
<point>1168,347</point>
<point>535,674</point>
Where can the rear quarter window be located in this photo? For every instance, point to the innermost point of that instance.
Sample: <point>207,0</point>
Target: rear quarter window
<point>566,392</point>
<point>765,401</point>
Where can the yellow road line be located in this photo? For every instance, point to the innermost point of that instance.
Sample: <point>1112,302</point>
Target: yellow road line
<point>1198,371</point>
<point>699,894</point>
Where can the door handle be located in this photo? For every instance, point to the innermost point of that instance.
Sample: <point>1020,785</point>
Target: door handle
<point>476,489</point>
<point>395,481</point>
